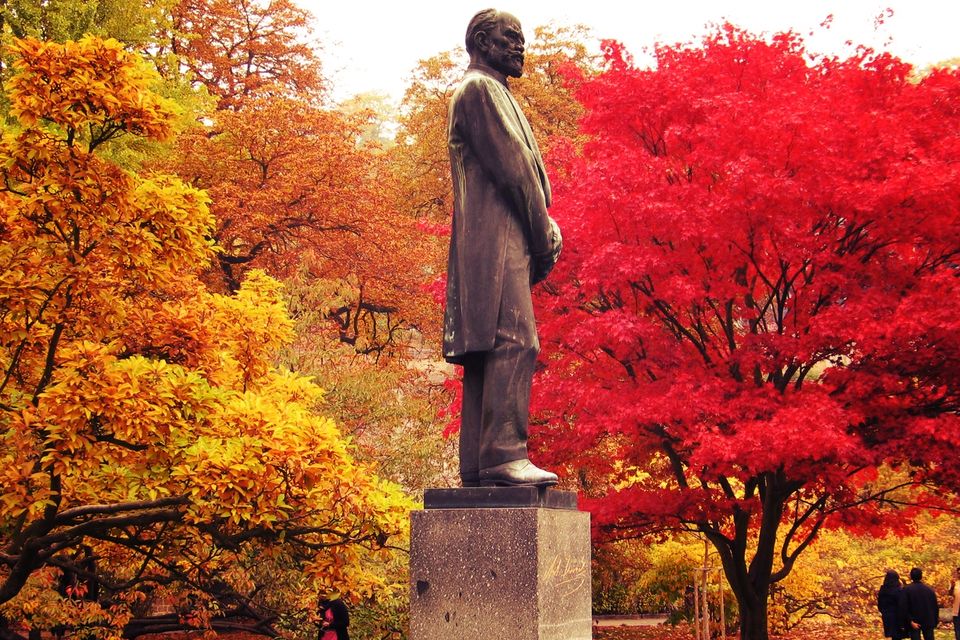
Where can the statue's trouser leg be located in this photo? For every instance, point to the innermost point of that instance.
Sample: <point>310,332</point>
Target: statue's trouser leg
<point>471,413</point>
<point>496,383</point>
<point>496,402</point>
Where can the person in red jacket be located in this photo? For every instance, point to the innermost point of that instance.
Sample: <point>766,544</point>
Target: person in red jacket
<point>334,619</point>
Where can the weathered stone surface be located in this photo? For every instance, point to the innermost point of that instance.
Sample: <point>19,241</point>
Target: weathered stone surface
<point>500,574</point>
<point>493,497</point>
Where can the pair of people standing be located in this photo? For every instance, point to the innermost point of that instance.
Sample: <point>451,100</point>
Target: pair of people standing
<point>910,611</point>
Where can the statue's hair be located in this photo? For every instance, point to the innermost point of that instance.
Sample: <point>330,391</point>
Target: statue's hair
<point>484,21</point>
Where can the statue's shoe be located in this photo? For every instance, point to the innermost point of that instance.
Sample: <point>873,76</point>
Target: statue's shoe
<point>517,473</point>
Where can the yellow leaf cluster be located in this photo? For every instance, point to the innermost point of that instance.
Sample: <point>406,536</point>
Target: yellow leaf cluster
<point>88,82</point>
<point>244,441</point>
<point>82,240</point>
<point>42,607</point>
<point>131,393</point>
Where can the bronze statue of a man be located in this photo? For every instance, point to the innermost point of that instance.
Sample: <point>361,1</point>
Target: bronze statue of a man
<point>502,242</point>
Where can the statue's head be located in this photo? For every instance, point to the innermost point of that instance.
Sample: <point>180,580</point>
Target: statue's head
<point>495,39</point>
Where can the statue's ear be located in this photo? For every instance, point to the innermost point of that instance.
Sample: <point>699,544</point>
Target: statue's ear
<point>482,41</point>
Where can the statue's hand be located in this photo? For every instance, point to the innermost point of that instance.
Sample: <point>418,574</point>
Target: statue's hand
<point>556,240</point>
<point>543,263</point>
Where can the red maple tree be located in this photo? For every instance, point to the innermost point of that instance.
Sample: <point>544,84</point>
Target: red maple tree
<point>756,314</point>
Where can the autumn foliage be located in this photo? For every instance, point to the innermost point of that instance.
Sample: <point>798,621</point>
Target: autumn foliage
<point>149,448</point>
<point>757,304</point>
<point>295,192</point>
<point>239,49</point>
<point>751,334</point>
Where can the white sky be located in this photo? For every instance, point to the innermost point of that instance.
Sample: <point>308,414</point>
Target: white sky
<point>374,45</point>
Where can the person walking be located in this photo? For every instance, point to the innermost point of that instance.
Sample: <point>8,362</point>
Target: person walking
<point>920,608</point>
<point>888,602</point>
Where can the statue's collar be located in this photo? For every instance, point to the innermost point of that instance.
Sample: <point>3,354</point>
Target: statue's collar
<point>490,71</point>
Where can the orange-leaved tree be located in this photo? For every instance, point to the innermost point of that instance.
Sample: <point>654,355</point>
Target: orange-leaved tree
<point>240,48</point>
<point>294,192</point>
<point>150,451</point>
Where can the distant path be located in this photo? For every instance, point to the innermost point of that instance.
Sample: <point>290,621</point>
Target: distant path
<point>628,621</point>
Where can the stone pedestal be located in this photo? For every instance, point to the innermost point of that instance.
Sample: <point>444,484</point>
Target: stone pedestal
<point>500,564</point>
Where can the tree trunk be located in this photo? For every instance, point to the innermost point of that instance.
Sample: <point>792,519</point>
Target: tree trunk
<point>750,580</point>
<point>753,619</point>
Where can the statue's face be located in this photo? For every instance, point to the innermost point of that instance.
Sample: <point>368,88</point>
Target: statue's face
<point>502,48</point>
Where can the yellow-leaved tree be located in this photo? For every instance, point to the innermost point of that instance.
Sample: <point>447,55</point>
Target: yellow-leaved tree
<point>157,471</point>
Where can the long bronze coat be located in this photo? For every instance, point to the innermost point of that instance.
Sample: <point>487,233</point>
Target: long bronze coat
<point>500,220</point>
